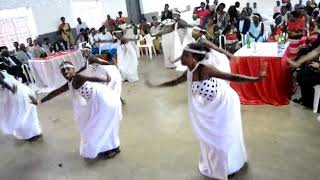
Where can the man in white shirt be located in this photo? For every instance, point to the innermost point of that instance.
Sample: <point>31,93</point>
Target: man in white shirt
<point>277,8</point>
<point>80,25</point>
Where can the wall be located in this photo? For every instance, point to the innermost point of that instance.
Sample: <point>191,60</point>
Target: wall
<point>148,6</point>
<point>112,7</point>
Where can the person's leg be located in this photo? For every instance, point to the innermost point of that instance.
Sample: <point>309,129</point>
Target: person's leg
<point>307,79</point>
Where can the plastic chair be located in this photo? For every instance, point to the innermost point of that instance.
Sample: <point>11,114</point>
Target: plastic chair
<point>27,73</point>
<point>243,40</point>
<point>222,37</point>
<point>149,46</point>
<point>316,98</point>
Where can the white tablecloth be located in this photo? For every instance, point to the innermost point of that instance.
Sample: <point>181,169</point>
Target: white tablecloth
<point>47,73</point>
<point>268,49</point>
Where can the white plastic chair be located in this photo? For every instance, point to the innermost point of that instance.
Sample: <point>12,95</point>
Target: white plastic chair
<point>222,37</point>
<point>243,39</point>
<point>316,98</point>
<point>27,73</point>
<point>149,46</point>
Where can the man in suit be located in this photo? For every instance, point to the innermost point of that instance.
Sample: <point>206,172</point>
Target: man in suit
<point>11,64</point>
<point>243,25</point>
<point>166,14</point>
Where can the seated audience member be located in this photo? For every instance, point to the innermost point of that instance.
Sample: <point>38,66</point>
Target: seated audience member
<point>103,37</point>
<point>315,24</point>
<point>120,19</point>
<point>277,8</point>
<point>243,25</point>
<point>202,13</point>
<point>93,32</point>
<point>311,5</point>
<point>37,51</point>
<point>59,45</point>
<point>287,4</point>
<point>284,15</point>
<point>234,13</point>
<point>46,45</point>
<point>209,7</point>
<point>23,55</point>
<point>295,26</point>
<point>222,18</point>
<point>212,31</point>
<point>110,23</point>
<point>248,9</point>
<point>11,64</point>
<point>16,47</point>
<point>308,75</point>
<point>232,41</point>
<point>29,44</point>
<point>82,37</point>
<point>80,25</point>
<point>256,30</point>
<point>278,29</point>
<point>166,14</point>
<point>144,26</point>
<point>153,30</point>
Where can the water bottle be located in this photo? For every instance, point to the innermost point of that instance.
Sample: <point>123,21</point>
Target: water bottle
<point>248,43</point>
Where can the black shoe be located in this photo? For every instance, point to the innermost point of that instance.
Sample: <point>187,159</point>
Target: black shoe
<point>297,101</point>
<point>35,138</point>
<point>123,102</point>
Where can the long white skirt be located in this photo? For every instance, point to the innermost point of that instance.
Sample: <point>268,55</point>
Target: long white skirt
<point>219,60</point>
<point>168,48</point>
<point>218,126</point>
<point>98,118</point>
<point>127,62</point>
<point>18,116</point>
<point>187,39</point>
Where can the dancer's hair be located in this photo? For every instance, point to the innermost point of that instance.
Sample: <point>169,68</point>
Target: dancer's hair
<point>198,50</point>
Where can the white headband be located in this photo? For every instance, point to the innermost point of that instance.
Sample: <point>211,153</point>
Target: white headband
<point>65,65</point>
<point>195,51</point>
<point>117,31</point>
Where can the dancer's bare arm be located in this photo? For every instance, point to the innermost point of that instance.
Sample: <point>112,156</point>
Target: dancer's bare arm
<point>51,95</point>
<point>177,81</point>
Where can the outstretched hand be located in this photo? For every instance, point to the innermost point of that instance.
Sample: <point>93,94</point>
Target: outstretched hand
<point>14,89</point>
<point>34,100</point>
<point>293,64</point>
<point>263,69</point>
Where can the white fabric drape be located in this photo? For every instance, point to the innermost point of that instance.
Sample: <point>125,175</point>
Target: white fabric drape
<point>18,116</point>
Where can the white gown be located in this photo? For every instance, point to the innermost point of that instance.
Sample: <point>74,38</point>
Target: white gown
<point>217,124</point>
<point>185,38</point>
<point>18,116</point>
<point>127,62</point>
<point>218,60</point>
<point>101,71</point>
<point>97,111</point>
<point>170,47</point>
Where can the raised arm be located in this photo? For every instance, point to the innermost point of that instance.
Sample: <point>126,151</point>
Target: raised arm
<point>177,81</point>
<point>92,79</point>
<point>213,46</point>
<point>54,94</point>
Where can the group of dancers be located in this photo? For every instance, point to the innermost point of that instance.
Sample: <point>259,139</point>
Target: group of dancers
<point>214,107</point>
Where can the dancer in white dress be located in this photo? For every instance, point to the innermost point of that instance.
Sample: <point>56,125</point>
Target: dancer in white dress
<point>171,41</point>
<point>214,109</point>
<point>217,57</point>
<point>18,116</point>
<point>127,58</point>
<point>97,111</point>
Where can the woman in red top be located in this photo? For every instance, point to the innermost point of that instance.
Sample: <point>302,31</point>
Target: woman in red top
<point>295,28</point>
<point>202,13</point>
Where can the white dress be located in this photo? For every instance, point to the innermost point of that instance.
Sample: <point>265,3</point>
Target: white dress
<point>218,60</point>
<point>97,111</point>
<point>185,38</point>
<point>18,116</point>
<point>101,71</point>
<point>127,61</point>
<point>170,45</point>
<point>214,109</point>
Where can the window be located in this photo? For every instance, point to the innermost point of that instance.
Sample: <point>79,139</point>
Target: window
<point>14,26</point>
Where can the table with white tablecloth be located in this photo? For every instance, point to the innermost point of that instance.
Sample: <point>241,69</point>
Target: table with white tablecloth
<point>277,87</point>
<point>46,71</point>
